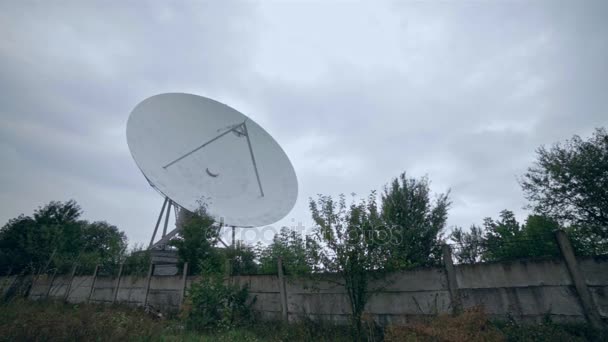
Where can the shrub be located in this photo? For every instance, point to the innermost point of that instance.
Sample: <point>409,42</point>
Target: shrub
<point>213,304</point>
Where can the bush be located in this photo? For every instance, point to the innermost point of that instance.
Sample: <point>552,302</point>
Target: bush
<point>213,304</point>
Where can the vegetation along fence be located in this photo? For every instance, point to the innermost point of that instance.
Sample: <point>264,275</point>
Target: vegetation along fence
<point>565,288</point>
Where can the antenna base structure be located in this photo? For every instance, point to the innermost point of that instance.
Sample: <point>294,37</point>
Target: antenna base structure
<point>165,212</point>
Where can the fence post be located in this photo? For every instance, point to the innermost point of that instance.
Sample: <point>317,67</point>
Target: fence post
<point>150,272</point>
<point>117,283</point>
<point>184,282</point>
<point>69,288</point>
<point>228,271</point>
<point>451,275</point>
<point>93,283</point>
<point>282,291</point>
<point>48,291</point>
<point>6,280</point>
<point>10,285</point>
<point>591,312</point>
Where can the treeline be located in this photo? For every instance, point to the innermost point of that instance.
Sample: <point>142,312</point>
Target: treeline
<point>403,227</point>
<point>56,238</point>
<point>567,188</point>
<point>403,230</point>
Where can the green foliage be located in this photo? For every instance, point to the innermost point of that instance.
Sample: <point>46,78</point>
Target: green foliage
<point>56,237</point>
<point>351,248</point>
<point>414,222</point>
<point>586,244</point>
<point>213,304</point>
<point>362,242</point>
<point>506,239</point>
<point>569,182</point>
<point>137,261</point>
<point>299,255</point>
<point>549,331</point>
<point>469,245</point>
<point>25,320</point>
<point>539,236</point>
<point>195,243</point>
<point>242,259</point>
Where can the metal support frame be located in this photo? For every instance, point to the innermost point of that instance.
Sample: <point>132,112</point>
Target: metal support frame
<point>233,128</point>
<point>167,218</point>
<point>166,212</point>
<point>255,166</point>
<point>166,236</point>
<point>160,216</point>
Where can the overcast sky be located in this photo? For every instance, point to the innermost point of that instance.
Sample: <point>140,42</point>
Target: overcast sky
<point>355,92</point>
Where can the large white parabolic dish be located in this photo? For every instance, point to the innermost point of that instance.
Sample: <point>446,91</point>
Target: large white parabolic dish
<point>195,151</point>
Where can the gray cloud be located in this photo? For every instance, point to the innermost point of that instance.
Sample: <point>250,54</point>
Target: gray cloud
<point>356,93</point>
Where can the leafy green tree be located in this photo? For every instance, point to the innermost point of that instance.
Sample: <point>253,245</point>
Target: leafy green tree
<point>351,248</point>
<point>569,182</point>
<point>16,251</point>
<point>414,221</point>
<point>196,242</point>
<point>211,302</point>
<point>137,261</point>
<point>469,245</point>
<point>539,236</point>
<point>299,255</point>
<point>503,237</point>
<point>586,243</point>
<point>56,237</point>
<point>506,239</point>
<point>242,259</point>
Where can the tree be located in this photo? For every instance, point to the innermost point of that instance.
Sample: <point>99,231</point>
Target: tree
<point>16,251</point>
<point>211,302</point>
<point>539,235</point>
<point>503,237</point>
<point>104,241</point>
<point>299,255</point>
<point>469,245</point>
<point>196,242</point>
<point>350,247</point>
<point>414,222</point>
<point>242,259</point>
<point>507,239</point>
<point>569,182</point>
<point>55,237</point>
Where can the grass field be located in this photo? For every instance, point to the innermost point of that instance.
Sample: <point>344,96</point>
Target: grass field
<point>23,320</point>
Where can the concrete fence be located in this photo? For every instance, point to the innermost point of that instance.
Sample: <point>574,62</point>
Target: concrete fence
<point>565,289</point>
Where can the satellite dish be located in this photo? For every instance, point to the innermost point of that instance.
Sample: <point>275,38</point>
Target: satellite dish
<point>197,151</point>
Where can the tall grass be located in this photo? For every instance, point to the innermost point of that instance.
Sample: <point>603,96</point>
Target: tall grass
<point>25,320</point>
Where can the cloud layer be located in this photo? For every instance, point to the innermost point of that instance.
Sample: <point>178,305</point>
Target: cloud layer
<point>355,92</point>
